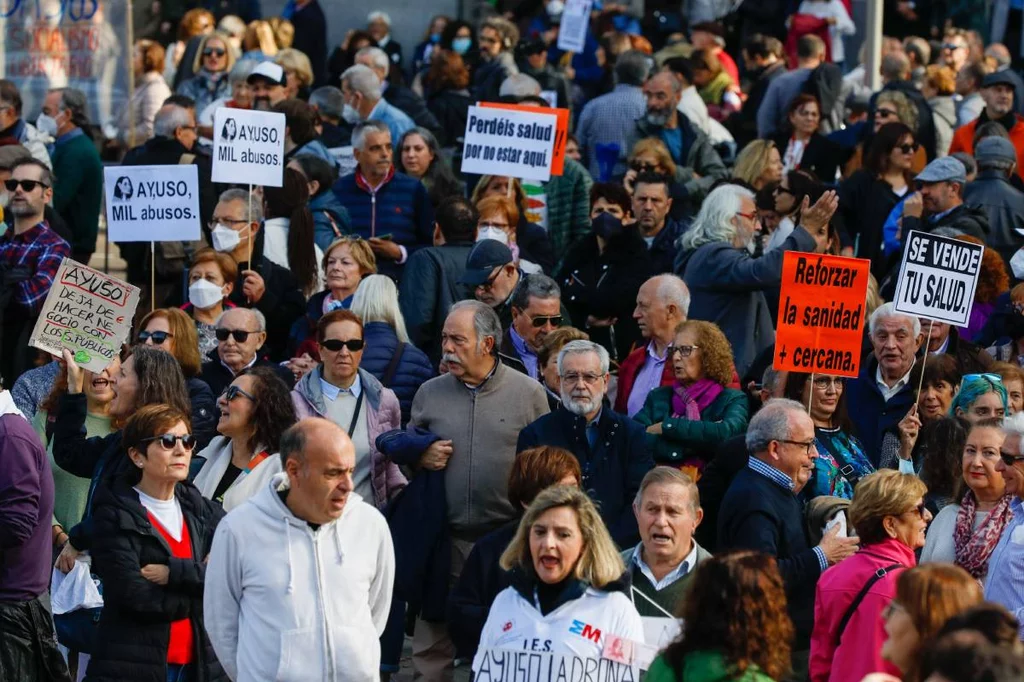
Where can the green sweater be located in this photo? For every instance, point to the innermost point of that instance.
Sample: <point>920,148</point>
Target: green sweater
<point>670,598</point>
<point>703,666</point>
<point>682,439</point>
<point>78,189</point>
<point>70,492</point>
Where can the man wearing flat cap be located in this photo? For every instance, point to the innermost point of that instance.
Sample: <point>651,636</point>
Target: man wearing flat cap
<point>939,202</point>
<point>992,191</point>
<point>997,90</point>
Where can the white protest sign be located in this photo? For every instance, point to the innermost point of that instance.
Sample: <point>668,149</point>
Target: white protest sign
<point>516,144</point>
<point>152,203</point>
<point>508,665</point>
<point>248,147</point>
<point>660,632</point>
<point>551,97</point>
<point>938,276</point>
<point>87,312</point>
<point>572,32</point>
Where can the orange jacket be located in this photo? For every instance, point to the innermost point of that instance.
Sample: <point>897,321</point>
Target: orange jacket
<point>963,140</point>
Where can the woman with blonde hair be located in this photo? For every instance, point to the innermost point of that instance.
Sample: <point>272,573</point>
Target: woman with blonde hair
<point>195,23</point>
<point>298,72</point>
<point>214,60</point>
<point>938,88</point>
<point>564,569</point>
<point>759,164</point>
<point>258,43</point>
<point>651,156</point>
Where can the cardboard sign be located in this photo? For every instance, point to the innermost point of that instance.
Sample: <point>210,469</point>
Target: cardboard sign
<point>558,159</point>
<point>509,142</point>
<point>821,314</point>
<point>938,277</point>
<point>248,147</point>
<point>87,312</point>
<point>572,32</point>
<point>508,665</point>
<point>152,203</point>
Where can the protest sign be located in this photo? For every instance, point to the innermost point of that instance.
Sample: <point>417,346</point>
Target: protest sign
<point>517,144</point>
<point>152,203</point>
<point>87,312</point>
<point>938,276</point>
<point>572,31</point>
<point>509,665</point>
<point>83,44</point>
<point>248,147</point>
<point>561,134</point>
<point>821,314</point>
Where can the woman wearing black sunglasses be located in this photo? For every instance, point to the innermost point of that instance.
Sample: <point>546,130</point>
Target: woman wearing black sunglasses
<point>214,60</point>
<point>154,533</point>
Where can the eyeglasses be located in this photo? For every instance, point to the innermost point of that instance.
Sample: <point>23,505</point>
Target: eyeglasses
<point>494,226</point>
<point>27,185</point>
<point>240,335</point>
<point>808,113</point>
<point>784,190</point>
<point>486,286</point>
<point>682,351</point>
<point>1009,460</point>
<point>586,377</point>
<point>229,221</point>
<point>157,338</point>
<point>542,320</point>
<point>643,167</point>
<point>167,441</point>
<point>823,383</point>
<point>335,345</point>
<point>884,113</point>
<point>749,216</point>
<point>806,446</point>
<point>214,52</point>
<point>908,148</point>
<point>952,46</point>
<point>232,392</point>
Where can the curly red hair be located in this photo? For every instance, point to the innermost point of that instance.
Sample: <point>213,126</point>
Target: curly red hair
<point>993,280</point>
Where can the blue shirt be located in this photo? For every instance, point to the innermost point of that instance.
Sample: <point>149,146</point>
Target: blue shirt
<point>1005,582</point>
<point>525,353</point>
<point>673,139</point>
<point>592,429</point>
<point>783,481</point>
<point>68,136</point>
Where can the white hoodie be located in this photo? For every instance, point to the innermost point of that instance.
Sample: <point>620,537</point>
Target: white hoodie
<point>283,602</point>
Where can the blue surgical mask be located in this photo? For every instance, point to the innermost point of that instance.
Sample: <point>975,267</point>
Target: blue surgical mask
<point>461,45</point>
<point>435,37</point>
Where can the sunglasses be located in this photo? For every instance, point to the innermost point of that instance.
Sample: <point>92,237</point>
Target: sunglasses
<point>486,286</point>
<point>157,337</point>
<point>920,509</point>
<point>167,441</point>
<point>952,46</point>
<point>335,345</point>
<point>553,320</point>
<point>232,392</point>
<point>643,167</point>
<point>884,113</point>
<point>1009,460</point>
<point>240,334</point>
<point>27,185</point>
<point>908,148</point>
<point>214,52</point>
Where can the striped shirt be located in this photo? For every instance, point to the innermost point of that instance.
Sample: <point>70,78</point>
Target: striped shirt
<point>785,482</point>
<point>39,250</point>
<point>1005,582</point>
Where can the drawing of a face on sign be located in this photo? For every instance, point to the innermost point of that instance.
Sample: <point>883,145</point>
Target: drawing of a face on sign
<point>230,131</point>
<point>123,189</point>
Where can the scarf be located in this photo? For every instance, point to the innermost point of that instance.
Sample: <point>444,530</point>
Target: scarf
<point>974,547</point>
<point>690,401</point>
<point>715,90</point>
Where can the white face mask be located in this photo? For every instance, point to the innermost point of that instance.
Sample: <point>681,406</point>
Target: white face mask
<point>225,239</point>
<point>47,125</point>
<point>492,233</point>
<point>1017,264</point>
<point>204,294</point>
<point>350,114</point>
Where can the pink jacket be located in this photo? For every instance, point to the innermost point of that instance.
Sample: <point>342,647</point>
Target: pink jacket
<point>860,651</point>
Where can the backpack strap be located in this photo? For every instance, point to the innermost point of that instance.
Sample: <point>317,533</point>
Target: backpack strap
<point>389,373</point>
<point>875,577</point>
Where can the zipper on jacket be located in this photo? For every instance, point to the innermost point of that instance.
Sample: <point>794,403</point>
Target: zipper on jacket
<point>373,214</point>
<point>328,648</point>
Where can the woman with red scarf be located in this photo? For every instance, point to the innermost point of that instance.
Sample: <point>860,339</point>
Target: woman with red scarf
<point>687,420</point>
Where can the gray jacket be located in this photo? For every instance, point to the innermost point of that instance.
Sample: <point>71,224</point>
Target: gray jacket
<point>944,115</point>
<point>698,156</point>
<point>727,287</point>
<point>483,425</point>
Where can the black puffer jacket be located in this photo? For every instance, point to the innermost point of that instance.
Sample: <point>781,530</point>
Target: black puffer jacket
<point>135,627</point>
<point>451,108</point>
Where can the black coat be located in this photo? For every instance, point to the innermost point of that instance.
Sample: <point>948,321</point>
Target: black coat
<point>451,108</point>
<point>282,304</point>
<point>135,625</point>
<point>865,202</point>
<point>925,123</point>
<point>311,39</point>
<point>429,287</point>
<point>729,460</point>
<point>821,156</point>
<point>534,244</point>
<point>481,580</point>
<point>605,285</point>
<point>204,411</point>
<point>743,124</point>
<point>1004,205</point>
<point>219,377</point>
<point>402,97</point>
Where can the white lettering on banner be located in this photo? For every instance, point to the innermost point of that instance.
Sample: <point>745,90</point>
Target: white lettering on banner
<point>88,313</point>
<point>248,147</point>
<point>572,31</point>
<point>938,277</point>
<point>152,203</point>
<point>516,144</point>
<point>507,665</point>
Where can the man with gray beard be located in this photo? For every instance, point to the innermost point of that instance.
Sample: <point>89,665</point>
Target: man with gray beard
<point>610,447</point>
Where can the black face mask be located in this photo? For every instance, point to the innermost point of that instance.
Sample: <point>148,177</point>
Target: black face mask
<point>606,226</point>
<point>1015,325</point>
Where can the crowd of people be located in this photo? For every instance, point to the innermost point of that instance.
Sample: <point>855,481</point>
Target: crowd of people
<point>390,404</point>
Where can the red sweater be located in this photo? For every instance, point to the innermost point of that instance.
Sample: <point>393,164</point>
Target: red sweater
<point>181,645</point>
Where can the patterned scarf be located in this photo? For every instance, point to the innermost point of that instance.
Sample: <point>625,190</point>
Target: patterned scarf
<point>690,401</point>
<point>974,547</point>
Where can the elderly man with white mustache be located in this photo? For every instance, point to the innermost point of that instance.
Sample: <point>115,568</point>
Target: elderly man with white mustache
<point>610,447</point>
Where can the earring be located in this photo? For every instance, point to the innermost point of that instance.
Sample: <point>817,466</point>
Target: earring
<point>138,463</point>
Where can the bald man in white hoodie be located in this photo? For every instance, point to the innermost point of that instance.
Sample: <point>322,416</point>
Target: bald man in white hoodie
<point>299,581</point>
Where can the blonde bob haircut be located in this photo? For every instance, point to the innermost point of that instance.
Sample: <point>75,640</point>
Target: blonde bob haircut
<point>657,148</point>
<point>598,565</point>
<point>229,51</point>
<point>291,59</point>
<point>881,494</point>
<point>361,252</point>
<point>753,160</point>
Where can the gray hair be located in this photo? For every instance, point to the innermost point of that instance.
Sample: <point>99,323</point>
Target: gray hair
<point>715,220</point>
<point>1014,424</point>
<point>672,289</point>
<point>668,475</point>
<point>519,85</point>
<point>74,100</point>
<point>888,310</point>
<point>770,378</point>
<point>631,68</point>
<point>485,321</point>
<point>255,205</point>
<point>364,80</point>
<point>383,16</point>
<point>361,130</point>
<point>169,118</point>
<point>241,70</point>
<point>376,300</point>
<point>261,321</point>
<point>771,423</point>
<point>378,57</point>
<point>535,286</point>
<point>581,348</point>
<point>328,100</point>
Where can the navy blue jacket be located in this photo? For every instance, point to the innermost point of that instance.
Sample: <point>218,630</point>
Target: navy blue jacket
<point>479,583</point>
<point>871,414</point>
<point>611,472</point>
<point>663,249</point>
<point>413,369</point>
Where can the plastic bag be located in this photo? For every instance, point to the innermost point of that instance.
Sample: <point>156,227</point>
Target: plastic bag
<point>76,590</point>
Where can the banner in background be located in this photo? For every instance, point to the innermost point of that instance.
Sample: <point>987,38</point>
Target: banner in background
<point>68,43</point>
<point>938,277</point>
<point>572,32</point>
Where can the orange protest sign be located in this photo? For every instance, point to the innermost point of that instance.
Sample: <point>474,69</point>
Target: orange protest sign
<point>821,314</point>
<point>561,132</point>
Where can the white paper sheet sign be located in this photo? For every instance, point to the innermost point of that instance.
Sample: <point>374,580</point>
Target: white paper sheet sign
<point>516,144</point>
<point>509,665</point>
<point>660,632</point>
<point>938,277</point>
<point>152,203</point>
<point>248,147</point>
<point>572,32</point>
